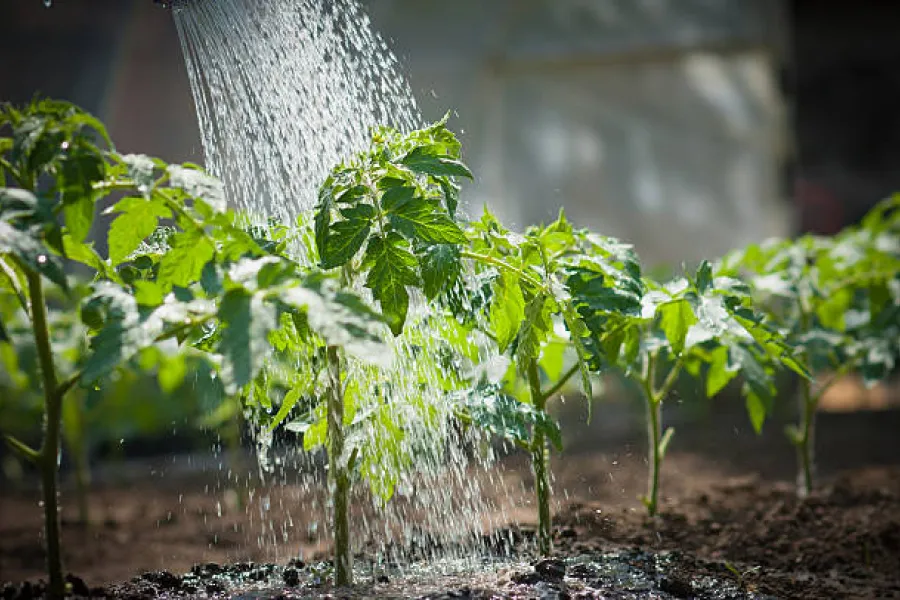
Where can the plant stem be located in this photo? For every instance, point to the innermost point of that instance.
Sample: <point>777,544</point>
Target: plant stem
<point>49,451</point>
<point>562,381</point>
<point>653,440</point>
<point>806,440</point>
<point>540,458</point>
<point>646,381</point>
<point>338,472</point>
<point>490,260</point>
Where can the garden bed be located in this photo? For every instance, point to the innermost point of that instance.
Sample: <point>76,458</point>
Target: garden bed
<point>726,503</point>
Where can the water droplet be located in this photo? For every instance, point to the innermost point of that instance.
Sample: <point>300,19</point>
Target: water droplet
<point>48,3</point>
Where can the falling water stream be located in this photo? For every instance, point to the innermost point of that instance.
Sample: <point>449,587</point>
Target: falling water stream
<point>285,90</point>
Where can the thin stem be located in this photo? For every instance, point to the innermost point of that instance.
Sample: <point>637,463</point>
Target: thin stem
<point>490,260</point>
<point>561,382</point>
<point>540,457</point>
<point>805,442</point>
<point>49,451</point>
<point>654,410</point>
<point>660,394</point>
<point>651,399</point>
<point>340,478</point>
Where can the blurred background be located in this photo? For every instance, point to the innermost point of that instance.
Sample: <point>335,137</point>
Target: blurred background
<point>687,127</point>
<point>720,122</point>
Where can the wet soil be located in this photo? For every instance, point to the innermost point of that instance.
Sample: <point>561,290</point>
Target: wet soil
<point>731,527</point>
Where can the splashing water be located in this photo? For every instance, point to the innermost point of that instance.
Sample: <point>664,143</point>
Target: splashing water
<point>284,91</point>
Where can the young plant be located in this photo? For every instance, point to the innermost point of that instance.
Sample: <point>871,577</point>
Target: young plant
<point>653,333</point>
<point>527,298</point>
<point>156,298</point>
<point>838,301</point>
<point>386,219</point>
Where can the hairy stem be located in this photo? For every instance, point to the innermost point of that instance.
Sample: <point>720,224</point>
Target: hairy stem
<point>540,459</point>
<point>338,472</point>
<point>49,452</point>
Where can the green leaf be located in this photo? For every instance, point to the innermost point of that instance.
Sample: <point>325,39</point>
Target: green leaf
<point>421,220</point>
<point>287,405</point>
<point>322,219</point>
<point>507,309</point>
<point>396,197</point>
<point>426,160</point>
<point>79,216</point>
<point>578,333</point>
<point>441,267</point>
<point>720,372</point>
<point>756,409</point>
<point>504,416</point>
<point>83,253</point>
<point>391,269</point>
<point>148,293</point>
<point>183,264</point>
<point>552,359</point>
<point>704,277</point>
<point>244,344</point>
<point>121,334</point>
<point>138,219</point>
<point>32,253</point>
<point>676,318</point>
<point>171,374</point>
<point>343,242</point>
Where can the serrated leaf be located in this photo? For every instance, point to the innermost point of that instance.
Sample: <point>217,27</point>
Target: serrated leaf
<point>344,240</point>
<point>79,214</point>
<point>704,277</point>
<point>244,346</point>
<point>427,160</point>
<point>138,219</point>
<point>396,197</point>
<point>441,267</point>
<point>121,335</point>
<point>287,405</point>
<point>391,269</point>
<point>507,309</point>
<point>84,253</point>
<point>183,263</point>
<point>676,318</point>
<point>419,219</point>
<point>32,253</point>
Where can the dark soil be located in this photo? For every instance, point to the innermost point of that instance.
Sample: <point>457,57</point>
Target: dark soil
<point>731,527</point>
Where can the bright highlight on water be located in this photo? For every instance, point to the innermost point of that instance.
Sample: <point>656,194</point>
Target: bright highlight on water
<point>285,90</point>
